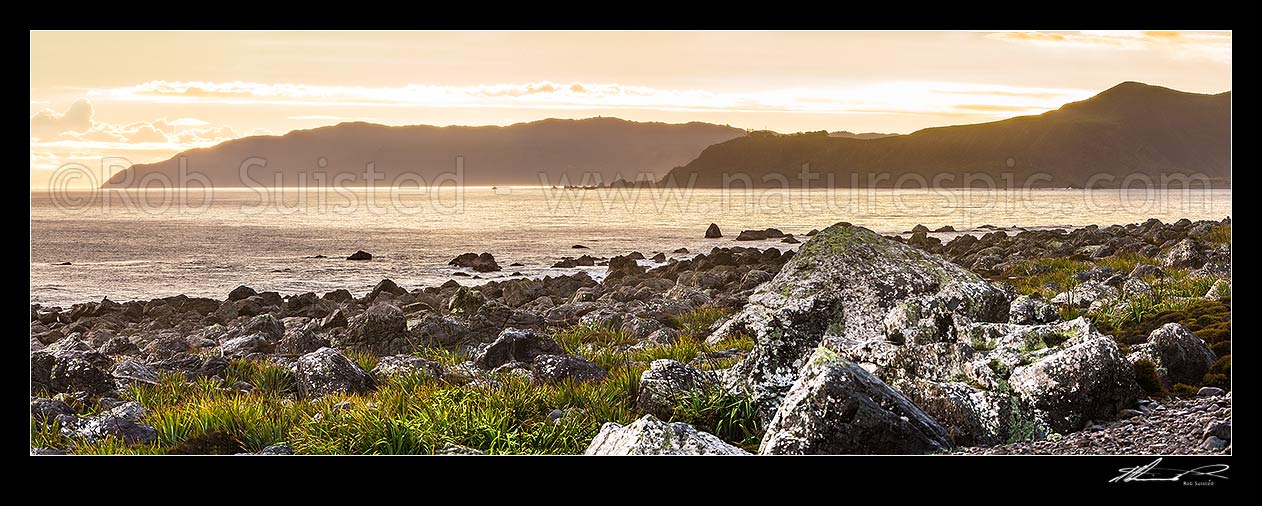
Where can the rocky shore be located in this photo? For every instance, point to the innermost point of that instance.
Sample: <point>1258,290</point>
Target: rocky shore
<point>1096,340</point>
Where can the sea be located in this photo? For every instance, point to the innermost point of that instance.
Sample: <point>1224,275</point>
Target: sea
<point>125,245</point>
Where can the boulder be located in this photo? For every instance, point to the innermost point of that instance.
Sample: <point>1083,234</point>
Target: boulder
<point>650,436</point>
<point>484,262</point>
<point>70,371</point>
<point>326,371</point>
<point>360,255</point>
<point>1184,254</point>
<point>713,232</point>
<point>133,371</point>
<point>840,287</point>
<point>515,345</point>
<point>558,368</point>
<point>122,421</point>
<point>401,365</point>
<point>241,346</point>
<point>1179,355</point>
<point>667,382</point>
<point>1084,378</point>
<point>381,330</point>
<point>241,293</point>
<point>301,341</point>
<point>837,407</point>
<point>1027,311</point>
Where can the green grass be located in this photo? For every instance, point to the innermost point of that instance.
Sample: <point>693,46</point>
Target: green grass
<point>414,414</point>
<point>1046,276</point>
<point>1175,298</point>
<point>272,379</point>
<point>732,418</point>
<point>698,321</point>
<point>1220,234</point>
<point>366,360</point>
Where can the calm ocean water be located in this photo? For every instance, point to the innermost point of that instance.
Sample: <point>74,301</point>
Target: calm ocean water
<point>129,245</point>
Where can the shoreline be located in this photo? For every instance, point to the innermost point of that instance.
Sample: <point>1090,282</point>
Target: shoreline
<point>600,332</point>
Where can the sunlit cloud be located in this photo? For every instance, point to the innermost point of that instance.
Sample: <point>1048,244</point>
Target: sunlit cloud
<point>1215,46</point>
<point>327,117</point>
<point>77,136</point>
<point>894,97</point>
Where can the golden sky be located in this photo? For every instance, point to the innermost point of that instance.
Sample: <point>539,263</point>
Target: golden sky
<point>144,96</point>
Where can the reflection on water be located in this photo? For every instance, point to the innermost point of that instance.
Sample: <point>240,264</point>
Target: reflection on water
<point>140,245</point>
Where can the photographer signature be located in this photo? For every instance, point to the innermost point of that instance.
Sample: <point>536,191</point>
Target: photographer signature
<point>1151,472</point>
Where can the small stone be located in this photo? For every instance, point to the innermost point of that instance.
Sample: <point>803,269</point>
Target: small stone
<point>1129,413</point>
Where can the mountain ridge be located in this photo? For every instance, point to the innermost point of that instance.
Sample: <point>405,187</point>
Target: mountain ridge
<point>1127,130</point>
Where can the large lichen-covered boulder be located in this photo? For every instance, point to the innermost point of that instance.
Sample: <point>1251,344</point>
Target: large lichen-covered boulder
<point>1084,378</point>
<point>326,371</point>
<point>382,330</point>
<point>668,382</point>
<point>650,436</point>
<point>837,407</point>
<point>841,287</point>
<point>1179,355</point>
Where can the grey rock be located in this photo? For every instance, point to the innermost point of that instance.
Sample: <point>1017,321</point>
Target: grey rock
<point>667,382</point>
<point>381,330</point>
<point>1209,392</point>
<point>326,371</point>
<point>840,287</point>
<point>1184,254</point>
<point>399,365</point>
<point>43,409</point>
<point>1027,311</point>
<point>650,436</point>
<point>1179,355</point>
<point>515,345</point>
<point>241,346</point>
<point>1213,443</point>
<point>134,371</point>
<point>837,407</point>
<point>1085,378</point>
<point>122,421</point>
<point>68,371</point>
<point>558,368</point>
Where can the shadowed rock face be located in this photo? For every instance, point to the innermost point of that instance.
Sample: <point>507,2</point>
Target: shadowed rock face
<point>837,408</point>
<point>839,289</point>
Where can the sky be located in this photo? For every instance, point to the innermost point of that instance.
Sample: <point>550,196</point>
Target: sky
<point>139,97</point>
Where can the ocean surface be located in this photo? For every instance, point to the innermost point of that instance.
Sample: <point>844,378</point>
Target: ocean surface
<point>139,245</point>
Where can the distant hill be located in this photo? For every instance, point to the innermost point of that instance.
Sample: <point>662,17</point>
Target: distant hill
<point>852,135</point>
<point>606,147</point>
<point>1132,128</point>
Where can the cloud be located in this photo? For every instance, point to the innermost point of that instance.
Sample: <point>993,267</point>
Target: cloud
<point>49,123</point>
<point>77,136</point>
<point>1213,46</point>
<point>897,97</point>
